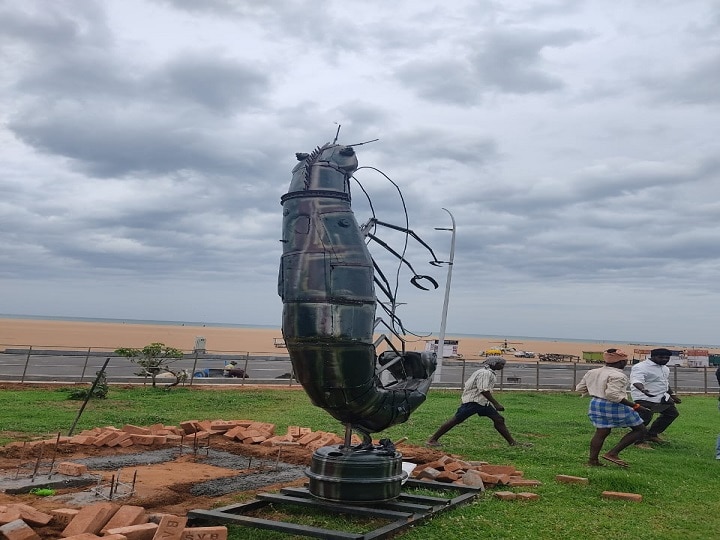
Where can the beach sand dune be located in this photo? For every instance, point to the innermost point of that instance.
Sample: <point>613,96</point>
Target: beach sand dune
<point>78,335</point>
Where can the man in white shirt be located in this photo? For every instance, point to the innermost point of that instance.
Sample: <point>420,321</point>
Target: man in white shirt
<point>650,387</point>
<point>477,399</point>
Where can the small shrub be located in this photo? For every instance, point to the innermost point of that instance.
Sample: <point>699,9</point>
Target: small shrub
<point>99,392</point>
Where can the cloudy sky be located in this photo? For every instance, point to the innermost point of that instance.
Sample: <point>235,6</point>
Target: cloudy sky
<point>145,145</point>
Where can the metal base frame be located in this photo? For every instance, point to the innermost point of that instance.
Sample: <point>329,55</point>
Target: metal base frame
<point>405,511</point>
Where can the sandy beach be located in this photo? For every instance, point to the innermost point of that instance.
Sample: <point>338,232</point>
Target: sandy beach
<point>44,334</point>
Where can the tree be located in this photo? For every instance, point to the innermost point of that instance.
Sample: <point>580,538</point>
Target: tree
<point>155,359</point>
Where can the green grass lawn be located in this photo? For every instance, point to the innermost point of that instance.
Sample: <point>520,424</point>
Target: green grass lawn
<point>679,482</point>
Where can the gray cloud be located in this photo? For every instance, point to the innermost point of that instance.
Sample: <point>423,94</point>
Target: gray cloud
<point>146,146</point>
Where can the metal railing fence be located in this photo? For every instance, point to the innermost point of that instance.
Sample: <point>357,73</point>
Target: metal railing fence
<point>26,364</point>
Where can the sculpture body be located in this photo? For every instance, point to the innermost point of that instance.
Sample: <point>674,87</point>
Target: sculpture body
<point>326,284</point>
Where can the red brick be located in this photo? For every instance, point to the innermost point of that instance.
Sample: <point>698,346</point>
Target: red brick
<point>126,515</point>
<point>222,425</point>
<point>263,426</point>
<point>69,468</point>
<point>82,439</point>
<point>447,476</point>
<point>190,426</point>
<point>310,437</point>
<point>498,469</point>
<point>205,425</point>
<point>104,438</point>
<point>528,496</point>
<point>567,479</point>
<point>90,519</point>
<point>155,429</point>
<point>146,440</point>
<point>170,528</point>
<point>142,531</point>
<point>523,482</point>
<point>84,536</point>
<point>491,479</point>
<point>503,479</point>
<point>119,437</point>
<point>8,515</point>
<point>453,466</point>
<point>136,430</point>
<point>31,516</point>
<point>232,433</point>
<point>634,497</point>
<point>63,516</point>
<point>429,473</point>
<point>505,495</point>
<point>205,533</point>
<point>18,530</point>
<point>294,431</point>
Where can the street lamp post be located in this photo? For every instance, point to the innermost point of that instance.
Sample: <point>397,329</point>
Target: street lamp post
<point>441,340</point>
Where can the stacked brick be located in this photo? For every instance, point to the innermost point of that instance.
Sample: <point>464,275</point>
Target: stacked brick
<point>103,520</point>
<point>195,432</point>
<point>472,473</point>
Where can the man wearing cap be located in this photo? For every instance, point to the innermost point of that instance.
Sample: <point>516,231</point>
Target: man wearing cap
<point>610,407</point>
<point>650,387</point>
<point>477,399</point>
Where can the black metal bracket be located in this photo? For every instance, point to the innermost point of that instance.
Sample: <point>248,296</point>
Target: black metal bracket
<point>405,511</point>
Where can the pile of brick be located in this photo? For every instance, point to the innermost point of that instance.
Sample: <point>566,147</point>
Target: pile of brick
<point>472,473</point>
<point>103,520</point>
<point>194,432</point>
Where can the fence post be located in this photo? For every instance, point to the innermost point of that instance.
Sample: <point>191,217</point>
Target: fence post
<point>27,361</point>
<point>537,376</point>
<point>245,373</point>
<point>705,389</point>
<point>574,383</point>
<point>502,378</point>
<point>675,386</point>
<point>192,374</point>
<point>462,375</point>
<point>87,358</point>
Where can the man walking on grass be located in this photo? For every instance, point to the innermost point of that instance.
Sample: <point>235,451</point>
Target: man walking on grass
<point>610,407</point>
<point>650,387</point>
<point>477,399</point>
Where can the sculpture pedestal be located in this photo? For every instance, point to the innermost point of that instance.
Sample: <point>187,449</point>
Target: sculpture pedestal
<point>341,474</point>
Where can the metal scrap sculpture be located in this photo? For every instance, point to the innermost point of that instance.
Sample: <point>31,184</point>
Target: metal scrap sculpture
<point>326,282</point>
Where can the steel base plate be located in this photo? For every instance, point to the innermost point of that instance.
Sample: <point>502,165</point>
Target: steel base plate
<point>407,510</point>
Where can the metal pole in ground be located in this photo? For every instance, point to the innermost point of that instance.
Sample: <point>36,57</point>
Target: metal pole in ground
<point>443,321</point>
<point>88,396</point>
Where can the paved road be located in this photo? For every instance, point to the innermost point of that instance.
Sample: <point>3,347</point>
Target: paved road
<point>80,367</point>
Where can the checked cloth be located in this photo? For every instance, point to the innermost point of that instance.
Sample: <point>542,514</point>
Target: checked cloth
<point>606,414</point>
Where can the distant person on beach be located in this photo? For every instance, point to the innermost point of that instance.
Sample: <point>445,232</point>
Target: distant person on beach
<point>650,387</point>
<point>610,408</point>
<point>477,399</point>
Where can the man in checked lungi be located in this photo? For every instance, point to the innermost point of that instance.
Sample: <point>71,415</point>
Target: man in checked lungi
<point>610,407</point>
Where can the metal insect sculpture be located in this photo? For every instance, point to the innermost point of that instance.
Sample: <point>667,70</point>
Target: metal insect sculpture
<point>326,282</point>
